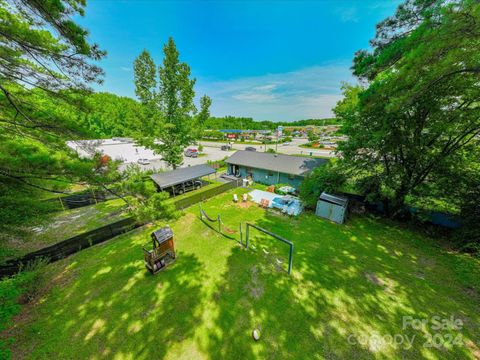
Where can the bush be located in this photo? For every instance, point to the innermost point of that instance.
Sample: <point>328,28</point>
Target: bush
<point>468,236</point>
<point>277,189</point>
<point>154,208</point>
<point>328,177</point>
<point>271,151</point>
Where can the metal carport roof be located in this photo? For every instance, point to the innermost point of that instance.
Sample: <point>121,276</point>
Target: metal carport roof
<point>178,176</point>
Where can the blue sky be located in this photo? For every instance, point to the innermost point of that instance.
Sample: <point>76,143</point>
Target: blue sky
<point>282,60</point>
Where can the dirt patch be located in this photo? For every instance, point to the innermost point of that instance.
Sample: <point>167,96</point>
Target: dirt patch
<point>246,204</point>
<point>473,293</point>
<point>373,278</point>
<point>387,284</point>
<point>255,287</point>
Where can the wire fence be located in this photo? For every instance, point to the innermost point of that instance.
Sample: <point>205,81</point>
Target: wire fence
<point>81,199</point>
<point>87,239</point>
<point>70,246</point>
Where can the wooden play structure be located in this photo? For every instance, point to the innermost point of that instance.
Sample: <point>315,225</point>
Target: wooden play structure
<point>161,252</point>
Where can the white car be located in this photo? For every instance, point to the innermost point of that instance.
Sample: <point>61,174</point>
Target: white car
<point>143,161</point>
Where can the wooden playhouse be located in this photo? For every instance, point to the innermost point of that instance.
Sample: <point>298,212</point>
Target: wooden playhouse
<point>161,251</point>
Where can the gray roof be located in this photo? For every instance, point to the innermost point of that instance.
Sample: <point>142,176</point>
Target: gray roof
<point>163,234</point>
<point>178,176</point>
<point>334,199</point>
<point>287,164</point>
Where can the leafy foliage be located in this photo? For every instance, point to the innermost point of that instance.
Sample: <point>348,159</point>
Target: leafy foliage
<point>173,123</point>
<point>45,71</point>
<point>145,203</point>
<point>422,101</point>
<point>329,177</point>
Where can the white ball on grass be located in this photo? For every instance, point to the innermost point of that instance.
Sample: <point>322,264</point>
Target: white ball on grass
<point>256,334</point>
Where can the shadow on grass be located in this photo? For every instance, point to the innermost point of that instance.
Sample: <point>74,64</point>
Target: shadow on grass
<point>360,280</point>
<point>119,309</point>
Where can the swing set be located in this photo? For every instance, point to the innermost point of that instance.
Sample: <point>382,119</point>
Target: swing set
<point>218,220</point>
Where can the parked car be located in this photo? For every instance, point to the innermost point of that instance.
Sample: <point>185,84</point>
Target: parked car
<point>185,187</point>
<point>143,161</point>
<point>225,147</point>
<point>250,148</point>
<point>191,153</point>
<point>286,143</point>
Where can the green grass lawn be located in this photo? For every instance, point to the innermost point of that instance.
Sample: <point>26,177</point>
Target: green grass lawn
<point>61,226</point>
<point>348,282</point>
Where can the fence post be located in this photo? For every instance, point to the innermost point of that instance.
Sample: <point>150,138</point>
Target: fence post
<point>94,197</point>
<point>290,260</point>
<point>219,223</point>
<point>61,203</point>
<point>246,236</point>
<point>241,234</point>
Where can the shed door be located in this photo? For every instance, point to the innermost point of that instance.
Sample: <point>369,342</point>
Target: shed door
<point>324,209</point>
<point>337,214</point>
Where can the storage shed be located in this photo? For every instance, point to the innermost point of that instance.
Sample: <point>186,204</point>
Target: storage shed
<point>332,207</point>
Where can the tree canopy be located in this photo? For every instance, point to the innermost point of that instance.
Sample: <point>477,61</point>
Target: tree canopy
<point>420,105</point>
<point>45,71</point>
<point>173,121</point>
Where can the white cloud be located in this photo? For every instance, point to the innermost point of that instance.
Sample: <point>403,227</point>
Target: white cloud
<point>125,68</point>
<point>348,14</point>
<point>306,93</point>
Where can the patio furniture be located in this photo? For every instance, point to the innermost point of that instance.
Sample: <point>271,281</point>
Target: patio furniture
<point>244,197</point>
<point>235,198</point>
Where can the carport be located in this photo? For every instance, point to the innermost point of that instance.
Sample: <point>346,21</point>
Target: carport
<point>170,179</point>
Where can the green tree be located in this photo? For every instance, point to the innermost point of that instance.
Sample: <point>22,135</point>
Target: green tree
<point>175,124</point>
<point>46,67</point>
<point>421,105</point>
<point>311,136</point>
<point>145,78</point>
<point>329,177</point>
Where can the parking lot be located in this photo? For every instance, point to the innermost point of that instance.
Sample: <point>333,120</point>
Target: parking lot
<point>293,148</point>
<point>129,153</point>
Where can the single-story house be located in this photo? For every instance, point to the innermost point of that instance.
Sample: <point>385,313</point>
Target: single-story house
<point>270,169</point>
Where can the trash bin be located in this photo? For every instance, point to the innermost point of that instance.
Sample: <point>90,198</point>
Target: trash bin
<point>245,182</point>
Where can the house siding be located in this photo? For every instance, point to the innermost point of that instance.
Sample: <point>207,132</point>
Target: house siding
<point>267,177</point>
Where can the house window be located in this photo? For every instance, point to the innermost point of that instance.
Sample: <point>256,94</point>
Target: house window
<point>291,177</point>
<point>270,173</point>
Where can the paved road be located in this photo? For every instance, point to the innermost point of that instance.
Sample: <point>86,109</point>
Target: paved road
<point>210,153</point>
<point>130,152</point>
<point>292,149</point>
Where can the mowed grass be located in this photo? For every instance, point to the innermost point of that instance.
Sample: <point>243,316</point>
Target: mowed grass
<point>349,283</point>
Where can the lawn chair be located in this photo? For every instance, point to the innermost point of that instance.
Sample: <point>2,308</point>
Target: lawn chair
<point>245,198</point>
<point>235,198</point>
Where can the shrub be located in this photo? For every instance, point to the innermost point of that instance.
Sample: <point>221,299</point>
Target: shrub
<point>468,236</point>
<point>328,177</point>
